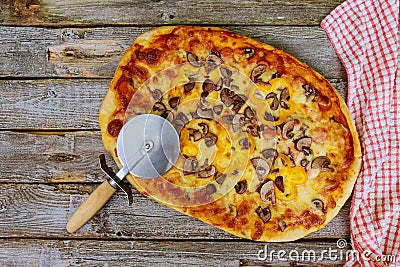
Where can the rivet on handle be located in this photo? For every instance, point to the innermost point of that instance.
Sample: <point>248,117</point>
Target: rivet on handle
<point>114,180</point>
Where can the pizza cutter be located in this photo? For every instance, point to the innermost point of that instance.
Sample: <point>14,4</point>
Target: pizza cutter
<point>147,146</point>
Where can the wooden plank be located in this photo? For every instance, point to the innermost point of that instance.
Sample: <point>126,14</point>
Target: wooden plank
<point>95,52</point>
<point>51,104</point>
<point>42,211</point>
<point>250,12</point>
<point>51,157</point>
<point>16,252</point>
<point>60,104</point>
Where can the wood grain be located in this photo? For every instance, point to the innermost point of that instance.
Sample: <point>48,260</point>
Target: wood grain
<point>42,211</point>
<point>95,52</point>
<point>61,104</point>
<point>17,252</point>
<point>92,204</point>
<point>51,104</point>
<point>50,142</point>
<point>51,157</point>
<point>124,12</point>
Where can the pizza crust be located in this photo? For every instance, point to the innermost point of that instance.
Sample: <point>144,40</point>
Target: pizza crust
<point>110,106</point>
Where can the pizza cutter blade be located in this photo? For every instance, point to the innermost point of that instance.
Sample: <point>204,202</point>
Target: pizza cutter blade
<point>148,147</point>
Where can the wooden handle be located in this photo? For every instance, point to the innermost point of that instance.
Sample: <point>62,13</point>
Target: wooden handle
<point>97,199</point>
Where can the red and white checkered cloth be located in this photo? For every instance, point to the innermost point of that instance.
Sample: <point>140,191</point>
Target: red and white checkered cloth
<point>365,36</point>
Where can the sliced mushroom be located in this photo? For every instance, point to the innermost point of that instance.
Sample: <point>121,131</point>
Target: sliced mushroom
<point>307,151</point>
<point>308,90</point>
<point>204,128</point>
<point>174,102</point>
<point>241,187</point>
<point>194,115</point>
<point>238,122</point>
<point>270,153</point>
<point>213,58</point>
<point>227,96</point>
<point>284,96</point>
<point>228,119</point>
<point>244,143</point>
<point>261,166</point>
<point>196,135</point>
<point>287,130</point>
<point>279,183</point>
<point>204,94</point>
<point>269,117</point>
<point>204,103</point>
<point>256,72</point>
<point>156,94</point>
<point>238,102</point>
<point>322,163</point>
<point>249,113</point>
<point>219,177</point>
<point>181,116</point>
<point>276,75</point>
<point>227,81</point>
<point>270,95</point>
<point>284,105</point>
<point>218,109</point>
<point>264,214</point>
<point>282,225</point>
<point>210,139</point>
<point>318,204</point>
<point>178,124</point>
<point>253,130</point>
<point>158,106</point>
<point>193,60</point>
<point>249,52</point>
<point>190,166</point>
<point>291,158</point>
<point>303,128</point>
<point>168,115</point>
<point>225,72</point>
<point>205,113</point>
<point>209,86</point>
<point>275,104</point>
<point>303,143</point>
<point>216,52</point>
<point>267,192</point>
<point>210,189</point>
<point>304,162</point>
<point>188,86</point>
<point>207,172</point>
<point>219,84</point>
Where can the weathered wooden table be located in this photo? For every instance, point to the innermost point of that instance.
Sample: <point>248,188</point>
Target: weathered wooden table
<point>57,59</point>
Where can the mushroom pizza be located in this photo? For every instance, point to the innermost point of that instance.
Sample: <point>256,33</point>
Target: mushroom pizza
<point>268,148</point>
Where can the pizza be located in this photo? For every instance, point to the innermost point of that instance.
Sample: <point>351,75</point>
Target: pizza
<point>268,149</point>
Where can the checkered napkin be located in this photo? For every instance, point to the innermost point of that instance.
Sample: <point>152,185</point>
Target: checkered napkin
<point>365,36</point>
